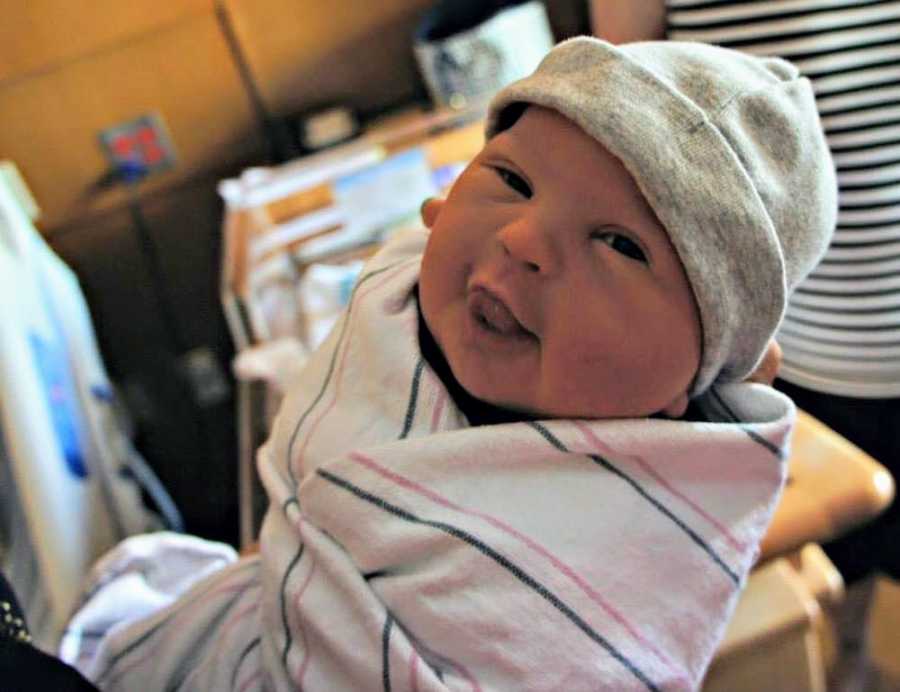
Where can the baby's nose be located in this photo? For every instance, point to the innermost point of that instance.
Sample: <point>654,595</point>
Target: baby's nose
<point>532,244</point>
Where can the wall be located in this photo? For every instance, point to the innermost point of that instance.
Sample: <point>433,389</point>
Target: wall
<point>67,73</point>
<point>68,70</point>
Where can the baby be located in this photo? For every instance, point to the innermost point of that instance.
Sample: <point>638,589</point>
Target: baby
<point>525,459</point>
<point>544,234</point>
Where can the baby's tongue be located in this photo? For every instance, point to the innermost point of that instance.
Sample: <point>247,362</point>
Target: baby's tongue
<point>496,314</point>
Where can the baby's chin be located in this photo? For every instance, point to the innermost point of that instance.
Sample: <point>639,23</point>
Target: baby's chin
<point>530,408</point>
<point>532,401</point>
<point>584,411</point>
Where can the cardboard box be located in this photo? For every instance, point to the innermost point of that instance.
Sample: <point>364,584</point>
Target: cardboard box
<point>41,34</point>
<point>355,52</point>
<point>185,72</point>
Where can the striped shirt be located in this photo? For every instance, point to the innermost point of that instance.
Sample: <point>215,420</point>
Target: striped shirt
<point>841,333</point>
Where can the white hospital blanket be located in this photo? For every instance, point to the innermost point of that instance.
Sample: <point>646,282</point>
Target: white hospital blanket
<point>404,550</point>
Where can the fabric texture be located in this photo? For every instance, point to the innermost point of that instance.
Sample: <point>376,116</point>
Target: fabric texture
<point>728,151</point>
<point>405,550</point>
<point>841,333</point>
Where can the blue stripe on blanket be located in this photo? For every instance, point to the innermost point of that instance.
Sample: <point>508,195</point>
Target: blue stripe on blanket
<point>288,637</point>
<point>187,665</point>
<point>246,652</point>
<point>330,372</point>
<point>413,399</point>
<point>299,424</point>
<point>755,436</point>
<point>159,626</point>
<point>665,511</point>
<point>385,652</point>
<point>501,560</point>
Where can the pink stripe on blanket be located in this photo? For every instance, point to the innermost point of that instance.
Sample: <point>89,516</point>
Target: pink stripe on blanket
<point>250,680</point>
<point>304,663</point>
<point>448,664</point>
<point>438,408</point>
<point>414,671</point>
<point>213,655</point>
<point>562,567</point>
<point>176,618</point>
<point>338,374</point>
<point>604,450</point>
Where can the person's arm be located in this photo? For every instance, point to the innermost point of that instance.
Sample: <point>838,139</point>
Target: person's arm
<point>619,21</point>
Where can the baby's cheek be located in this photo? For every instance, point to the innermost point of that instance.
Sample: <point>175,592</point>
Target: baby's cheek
<point>577,376</point>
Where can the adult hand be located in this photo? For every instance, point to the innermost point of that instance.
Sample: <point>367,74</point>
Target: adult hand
<point>620,21</point>
<point>767,370</point>
<point>429,210</point>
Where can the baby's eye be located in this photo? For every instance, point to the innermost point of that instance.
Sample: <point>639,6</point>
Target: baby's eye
<point>622,244</point>
<point>514,181</point>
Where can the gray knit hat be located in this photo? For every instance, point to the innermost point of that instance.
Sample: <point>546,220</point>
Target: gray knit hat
<point>728,151</point>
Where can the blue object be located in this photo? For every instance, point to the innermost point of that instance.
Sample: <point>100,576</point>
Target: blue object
<point>131,171</point>
<point>59,392</point>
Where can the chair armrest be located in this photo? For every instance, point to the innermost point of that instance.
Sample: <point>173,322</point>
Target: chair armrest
<point>833,486</point>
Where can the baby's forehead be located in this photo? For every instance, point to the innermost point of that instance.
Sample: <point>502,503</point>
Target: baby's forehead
<point>545,140</point>
<point>521,121</point>
<point>548,137</point>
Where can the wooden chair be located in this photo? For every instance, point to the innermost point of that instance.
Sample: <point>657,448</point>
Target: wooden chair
<point>781,638</point>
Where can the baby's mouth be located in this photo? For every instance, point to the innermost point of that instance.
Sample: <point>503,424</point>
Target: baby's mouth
<point>492,313</point>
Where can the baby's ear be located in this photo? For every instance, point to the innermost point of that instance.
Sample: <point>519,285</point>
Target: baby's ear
<point>430,210</point>
<point>677,406</point>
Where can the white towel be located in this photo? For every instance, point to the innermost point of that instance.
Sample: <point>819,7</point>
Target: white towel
<point>405,550</point>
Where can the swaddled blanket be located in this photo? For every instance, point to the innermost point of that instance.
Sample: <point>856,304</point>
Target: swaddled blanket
<point>404,550</point>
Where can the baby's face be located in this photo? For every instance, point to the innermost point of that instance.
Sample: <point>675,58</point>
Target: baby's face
<point>551,287</point>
